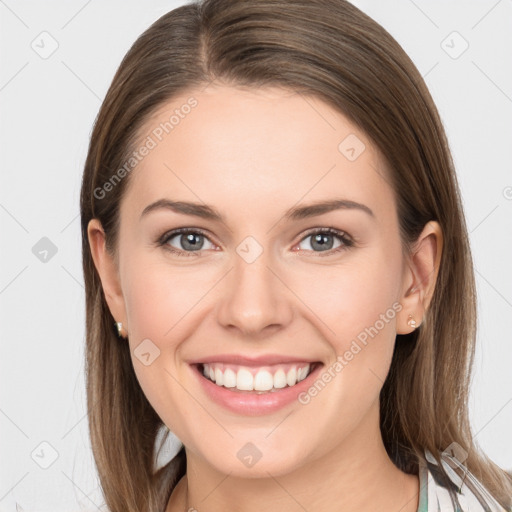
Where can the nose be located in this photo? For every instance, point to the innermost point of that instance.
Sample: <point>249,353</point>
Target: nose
<point>255,299</point>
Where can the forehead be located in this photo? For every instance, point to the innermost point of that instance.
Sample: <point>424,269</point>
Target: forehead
<point>233,147</point>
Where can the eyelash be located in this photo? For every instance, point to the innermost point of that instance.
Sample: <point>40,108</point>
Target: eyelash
<point>346,240</point>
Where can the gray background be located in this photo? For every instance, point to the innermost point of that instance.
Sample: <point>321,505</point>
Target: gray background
<point>48,105</point>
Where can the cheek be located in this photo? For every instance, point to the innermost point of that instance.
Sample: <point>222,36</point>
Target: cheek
<point>355,309</point>
<point>157,302</point>
<point>158,297</point>
<point>164,305</point>
<point>367,310</point>
<point>351,299</point>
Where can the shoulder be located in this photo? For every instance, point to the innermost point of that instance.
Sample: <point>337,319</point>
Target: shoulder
<point>463,492</point>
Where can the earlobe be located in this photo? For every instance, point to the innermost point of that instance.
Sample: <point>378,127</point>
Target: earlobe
<point>107,271</point>
<point>420,277</point>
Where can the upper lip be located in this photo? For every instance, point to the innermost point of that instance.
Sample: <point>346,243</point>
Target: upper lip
<point>263,360</point>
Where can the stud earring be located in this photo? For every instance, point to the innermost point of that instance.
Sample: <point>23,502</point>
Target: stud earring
<point>411,322</point>
<point>120,333</point>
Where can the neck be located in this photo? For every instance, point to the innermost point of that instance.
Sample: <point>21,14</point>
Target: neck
<point>357,475</point>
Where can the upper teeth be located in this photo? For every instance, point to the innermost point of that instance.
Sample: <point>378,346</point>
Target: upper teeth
<point>246,378</point>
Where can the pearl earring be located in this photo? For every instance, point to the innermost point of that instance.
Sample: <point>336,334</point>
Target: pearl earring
<point>411,322</point>
<point>119,326</point>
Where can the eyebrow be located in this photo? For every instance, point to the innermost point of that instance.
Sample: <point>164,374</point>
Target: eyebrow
<point>295,213</point>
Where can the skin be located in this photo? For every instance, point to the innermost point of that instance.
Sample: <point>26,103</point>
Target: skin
<point>253,154</point>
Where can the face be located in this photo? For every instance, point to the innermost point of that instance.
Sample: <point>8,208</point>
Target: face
<point>266,289</point>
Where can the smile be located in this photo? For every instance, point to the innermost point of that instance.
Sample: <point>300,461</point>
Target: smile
<point>255,390</point>
<point>259,380</point>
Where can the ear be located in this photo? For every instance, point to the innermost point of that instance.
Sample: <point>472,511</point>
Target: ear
<point>108,272</point>
<point>419,278</point>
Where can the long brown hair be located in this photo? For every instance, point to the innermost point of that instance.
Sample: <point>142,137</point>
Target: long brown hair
<point>332,50</point>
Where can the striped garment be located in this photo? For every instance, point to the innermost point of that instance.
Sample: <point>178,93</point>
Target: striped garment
<point>466,494</point>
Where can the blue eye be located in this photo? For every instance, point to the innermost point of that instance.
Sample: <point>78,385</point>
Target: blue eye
<point>322,239</point>
<point>191,241</point>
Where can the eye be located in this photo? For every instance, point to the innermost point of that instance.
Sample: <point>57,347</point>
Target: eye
<point>322,240</point>
<point>186,241</point>
<point>191,241</point>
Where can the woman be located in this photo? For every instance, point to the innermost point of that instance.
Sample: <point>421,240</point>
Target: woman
<point>277,270</point>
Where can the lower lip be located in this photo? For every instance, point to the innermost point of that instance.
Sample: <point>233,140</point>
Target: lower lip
<point>251,403</point>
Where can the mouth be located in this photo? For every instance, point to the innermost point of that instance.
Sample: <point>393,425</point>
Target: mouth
<point>256,380</point>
